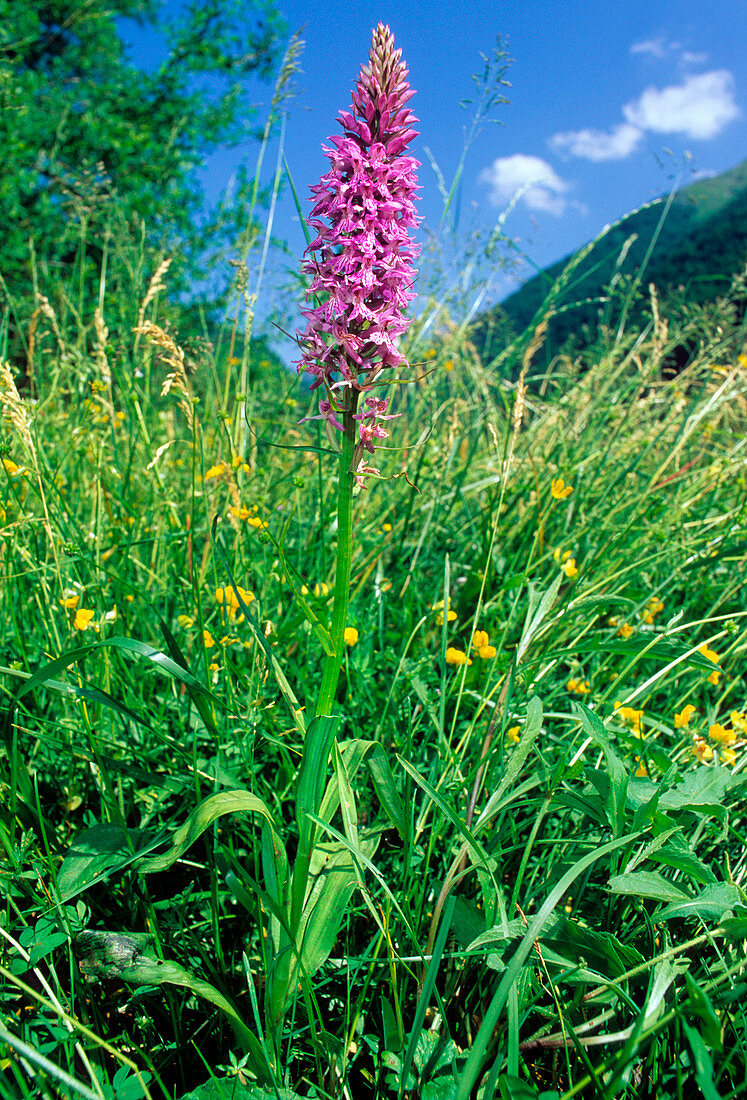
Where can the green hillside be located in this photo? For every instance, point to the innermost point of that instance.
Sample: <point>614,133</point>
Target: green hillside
<point>697,239</point>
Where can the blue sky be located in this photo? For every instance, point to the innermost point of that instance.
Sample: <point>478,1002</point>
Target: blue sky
<point>611,104</point>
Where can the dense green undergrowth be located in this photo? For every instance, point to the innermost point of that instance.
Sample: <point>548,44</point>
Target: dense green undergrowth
<point>532,818</point>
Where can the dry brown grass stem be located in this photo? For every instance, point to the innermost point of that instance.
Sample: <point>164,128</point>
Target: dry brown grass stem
<point>172,355</point>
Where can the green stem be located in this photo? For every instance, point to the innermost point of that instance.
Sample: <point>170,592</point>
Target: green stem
<point>333,663</point>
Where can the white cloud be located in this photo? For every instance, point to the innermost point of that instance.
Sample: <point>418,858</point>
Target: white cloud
<point>700,107</point>
<point>597,145</point>
<point>654,47</point>
<point>691,58</point>
<point>542,188</point>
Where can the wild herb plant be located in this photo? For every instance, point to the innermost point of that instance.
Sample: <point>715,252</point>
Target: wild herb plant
<point>453,808</point>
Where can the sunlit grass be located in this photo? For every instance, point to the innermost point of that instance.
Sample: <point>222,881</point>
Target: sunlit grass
<point>539,768</point>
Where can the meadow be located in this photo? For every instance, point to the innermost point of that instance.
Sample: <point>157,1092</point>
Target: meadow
<point>508,858</point>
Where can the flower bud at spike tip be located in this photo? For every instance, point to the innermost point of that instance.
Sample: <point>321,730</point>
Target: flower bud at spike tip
<point>362,263</point>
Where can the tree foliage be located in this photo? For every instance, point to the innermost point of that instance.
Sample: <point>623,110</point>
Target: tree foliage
<point>95,152</point>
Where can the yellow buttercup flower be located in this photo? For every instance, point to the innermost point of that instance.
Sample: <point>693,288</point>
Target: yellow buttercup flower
<point>350,635</point>
<point>721,735</point>
<point>83,618</point>
<point>450,615</point>
<point>631,717</point>
<point>456,657</point>
<point>701,750</point>
<point>711,654</point>
<point>653,607</point>
<point>228,598</point>
<point>684,717</point>
<point>559,490</point>
<point>739,721</point>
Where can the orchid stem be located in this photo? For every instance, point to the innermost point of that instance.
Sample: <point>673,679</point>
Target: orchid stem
<point>333,662</point>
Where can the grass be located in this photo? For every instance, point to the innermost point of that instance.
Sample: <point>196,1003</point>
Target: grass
<point>525,858</point>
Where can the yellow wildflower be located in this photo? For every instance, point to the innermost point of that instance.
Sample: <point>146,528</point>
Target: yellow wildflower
<point>10,467</point>
<point>228,598</point>
<point>386,527</point>
<point>430,353</point>
<point>350,635</point>
<point>579,687</point>
<point>569,568</point>
<point>739,721</point>
<point>727,756</point>
<point>721,735</point>
<point>714,657</point>
<point>653,607</point>
<point>641,771</point>
<point>559,490</point>
<point>625,630</point>
<point>630,717</point>
<point>701,750</point>
<point>481,642</point>
<point>450,615</point>
<point>207,639</point>
<point>513,733</point>
<point>83,618</point>
<point>70,601</point>
<point>449,364</point>
<point>684,717</point>
<point>238,463</point>
<point>456,657</point>
<point>215,471</point>
<point>185,620</point>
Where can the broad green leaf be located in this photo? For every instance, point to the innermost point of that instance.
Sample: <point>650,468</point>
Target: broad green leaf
<point>682,859</point>
<point>201,818</point>
<point>93,854</point>
<point>312,775</point>
<point>703,790</point>
<point>594,727</point>
<point>735,927</point>
<point>539,606</point>
<point>647,884</point>
<point>699,1004</point>
<point>326,905</point>
<point>371,753</point>
<point>711,904</point>
<point>516,759</point>
<point>128,956</point>
<point>231,1088</point>
<point>702,1062</point>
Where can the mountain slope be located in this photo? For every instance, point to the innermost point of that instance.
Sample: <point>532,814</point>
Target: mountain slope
<point>700,237</point>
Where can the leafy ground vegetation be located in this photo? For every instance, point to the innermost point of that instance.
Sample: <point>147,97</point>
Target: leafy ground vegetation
<point>512,861</point>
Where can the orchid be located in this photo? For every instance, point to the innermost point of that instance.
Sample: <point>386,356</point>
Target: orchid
<point>362,273</point>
